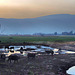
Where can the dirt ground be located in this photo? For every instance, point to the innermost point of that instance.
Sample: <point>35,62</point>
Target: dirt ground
<point>41,65</point>
<point>64,45</point>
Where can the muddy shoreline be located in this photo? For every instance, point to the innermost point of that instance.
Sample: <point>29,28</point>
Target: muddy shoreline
<point>64,45</point>
<point>21,44</point>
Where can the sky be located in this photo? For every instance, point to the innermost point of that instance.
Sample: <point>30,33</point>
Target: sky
<point>35,8</point>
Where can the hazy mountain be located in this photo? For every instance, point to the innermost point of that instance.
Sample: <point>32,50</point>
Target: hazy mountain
<point>44,24</point>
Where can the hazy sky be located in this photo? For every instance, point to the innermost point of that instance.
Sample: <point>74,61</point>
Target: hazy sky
<point>35,8</point>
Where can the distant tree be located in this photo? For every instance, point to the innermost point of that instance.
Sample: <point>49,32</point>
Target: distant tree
<point>55,33</point>
<point>68,33</point>
<point>65,33</point>
<point>71,33</point>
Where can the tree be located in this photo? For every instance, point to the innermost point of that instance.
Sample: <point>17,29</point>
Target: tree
<point>55,33</point>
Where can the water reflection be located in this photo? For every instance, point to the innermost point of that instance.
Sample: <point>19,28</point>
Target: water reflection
<point>71,70</point>
<point>64,52</point>
<point>35,48</point>
<point>9,53</point>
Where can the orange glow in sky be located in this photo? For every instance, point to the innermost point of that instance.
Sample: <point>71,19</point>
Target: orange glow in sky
<point>35,8</point>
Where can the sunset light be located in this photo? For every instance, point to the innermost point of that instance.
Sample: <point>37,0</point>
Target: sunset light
<point>35,8</point>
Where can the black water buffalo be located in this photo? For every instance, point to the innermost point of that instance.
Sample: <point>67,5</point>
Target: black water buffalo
<point>6,47</point>
<point>59,51</point>
<point>21,51</point>
<point>31,55</point>
<point>3,57</point>
<point>13,57</point>
<point>29,49</point>
<point>49,52</point>
<point>12,51</point>
<point>11,47</point>
<point>21,48</point>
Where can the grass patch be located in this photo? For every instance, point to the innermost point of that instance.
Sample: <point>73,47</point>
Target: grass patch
<point>21,39</point>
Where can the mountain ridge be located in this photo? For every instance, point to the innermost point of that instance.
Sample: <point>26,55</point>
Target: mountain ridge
<point>43,24</point>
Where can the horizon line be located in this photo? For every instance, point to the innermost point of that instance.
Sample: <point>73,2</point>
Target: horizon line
<point>37,17</point>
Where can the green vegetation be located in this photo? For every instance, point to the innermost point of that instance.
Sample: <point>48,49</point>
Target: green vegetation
<point>21,39</point>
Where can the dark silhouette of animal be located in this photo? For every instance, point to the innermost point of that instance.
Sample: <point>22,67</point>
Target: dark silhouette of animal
<point>11,47</point>
<point>31,55</point>
<point>3,57</point>
<point>21,51</point>
<point>21,48</point>
<point>49,52</point>
<point>6,47</point>
<point>59,51</point>
<point>13,57</point>
<point>29,49</point>
<point>12,51</point>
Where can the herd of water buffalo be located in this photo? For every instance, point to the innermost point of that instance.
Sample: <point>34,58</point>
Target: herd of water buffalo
<point>16,57</point>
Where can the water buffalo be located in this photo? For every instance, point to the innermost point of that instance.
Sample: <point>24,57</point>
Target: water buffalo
<point>31,55</point>
<point>59,51</point>
<point>21,48</point>
<point>12,51</point>
<point>6,47</point>
<point>11,47</point>
<point>3,57</point>
<point>29,49</point>
<point>21,51</point>
<point>49,52</point>
<point>13,57</point>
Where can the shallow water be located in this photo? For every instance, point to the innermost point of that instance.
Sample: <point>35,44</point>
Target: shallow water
<point>65,52</point>
<point>41,49</point>
<point>45,47</point>
<point>71,70</point>
<point>9,53</point>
